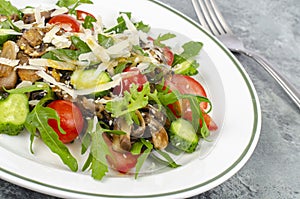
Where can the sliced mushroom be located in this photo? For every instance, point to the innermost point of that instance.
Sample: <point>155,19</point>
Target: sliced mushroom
<point>29,18</point>
<point>122,143</point>
<point>92,107</point>
<point>8,77</point>
<point>31,42</point>
<point>8,82</point>
<point>155,120</point>
<point>139,130</point>
<point>159,134</point>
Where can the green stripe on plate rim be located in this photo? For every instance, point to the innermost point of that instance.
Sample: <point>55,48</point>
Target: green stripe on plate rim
<point>254,130</point>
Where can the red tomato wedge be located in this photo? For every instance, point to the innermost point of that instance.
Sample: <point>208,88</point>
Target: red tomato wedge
<point>169,56</point>
<point>71,120</point>
<point>121,162</point>
<point>188,85</point>
<point>81,15</point>
<point>132,75</point>
<point>66,22</point>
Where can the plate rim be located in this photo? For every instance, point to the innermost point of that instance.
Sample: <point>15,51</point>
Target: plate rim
<point>223,176</point>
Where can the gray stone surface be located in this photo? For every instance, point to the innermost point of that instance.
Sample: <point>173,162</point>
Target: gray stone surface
<point>272,28</point>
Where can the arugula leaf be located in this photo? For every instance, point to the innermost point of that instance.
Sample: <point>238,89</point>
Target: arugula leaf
<point>191,49</point>
<point>74,3</point>
<point>161,38</point>
<point>50,55</point>
<point>142,158</point>
<point>88,22</point>
<point>80,45</point>
<point>120,67</point>
<point>68,3</point>
<point>139,50</point>
<point>86,138</point>
<point>183,64</point>
<point>38,86</point>
<point>105,41</point>
<point>169,161</point>
<point>116,132</point>
<point>38,120</point>
<point>167,97</point>
<point>141,26</point>
<point>136,148</point>
<point>98,151</point>
<point>87,163</point>
<point>7,9</point>
<point>121,26</point>
<point>61,54</point>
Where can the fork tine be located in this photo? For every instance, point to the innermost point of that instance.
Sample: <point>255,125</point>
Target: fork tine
<point>204,16</point>
<point>200,15</point>
<point>213,16</point>
<point>218,17</point>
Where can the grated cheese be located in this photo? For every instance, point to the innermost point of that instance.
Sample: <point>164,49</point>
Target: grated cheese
<point>9,62</point>
<point>51,80</point>
<point>98,50</point>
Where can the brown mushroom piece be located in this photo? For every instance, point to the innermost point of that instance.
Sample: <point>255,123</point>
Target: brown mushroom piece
<point>29,18</point>
<point>155,120</point>
<point>122,143</point>
<point>139,130</point>
<point>25,74</point>
<point>159,134</point>
<point>8,76</point>
<point>31,42</point>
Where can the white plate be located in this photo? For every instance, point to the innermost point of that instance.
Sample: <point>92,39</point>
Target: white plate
<point>236,111</point>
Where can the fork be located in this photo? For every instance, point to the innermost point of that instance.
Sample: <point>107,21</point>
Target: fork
<point>212,20</point>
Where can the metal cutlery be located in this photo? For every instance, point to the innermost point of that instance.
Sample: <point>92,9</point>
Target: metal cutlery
<point>212,20</point>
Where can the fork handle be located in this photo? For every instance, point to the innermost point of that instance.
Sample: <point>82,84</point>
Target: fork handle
<point>283,82</point>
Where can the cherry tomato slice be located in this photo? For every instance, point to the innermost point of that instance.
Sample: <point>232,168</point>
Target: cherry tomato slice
<point>121,162</point>
<point>188,85</point>
<point>81,15</point>
<point>67,22</point>
<point>169,56</point>
<point>71,120</point>
<point>133,76</point>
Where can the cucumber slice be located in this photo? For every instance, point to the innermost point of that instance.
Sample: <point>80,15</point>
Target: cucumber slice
<point>183,136</point>
<point>13,113</point>
<point>84,79</point>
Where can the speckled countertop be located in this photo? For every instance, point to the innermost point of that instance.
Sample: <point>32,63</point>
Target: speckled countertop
<point>271,28</point>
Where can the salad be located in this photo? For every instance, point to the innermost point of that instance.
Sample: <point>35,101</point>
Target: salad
<point>125,95</point>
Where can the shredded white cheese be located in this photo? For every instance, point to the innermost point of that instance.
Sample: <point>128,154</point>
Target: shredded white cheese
<point>51,80</point>
<point>51,34</point>
<point>98,50</point>
<point>9,62</point>
<point>116,80</point>
<point>9,32</point>
<point>61,41</point>
<point>20,24</point>
<point>39,20</point>
<point>121,49</point>
<point>59,11</point>
<point>24,84</point>
<point>52,63</point>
